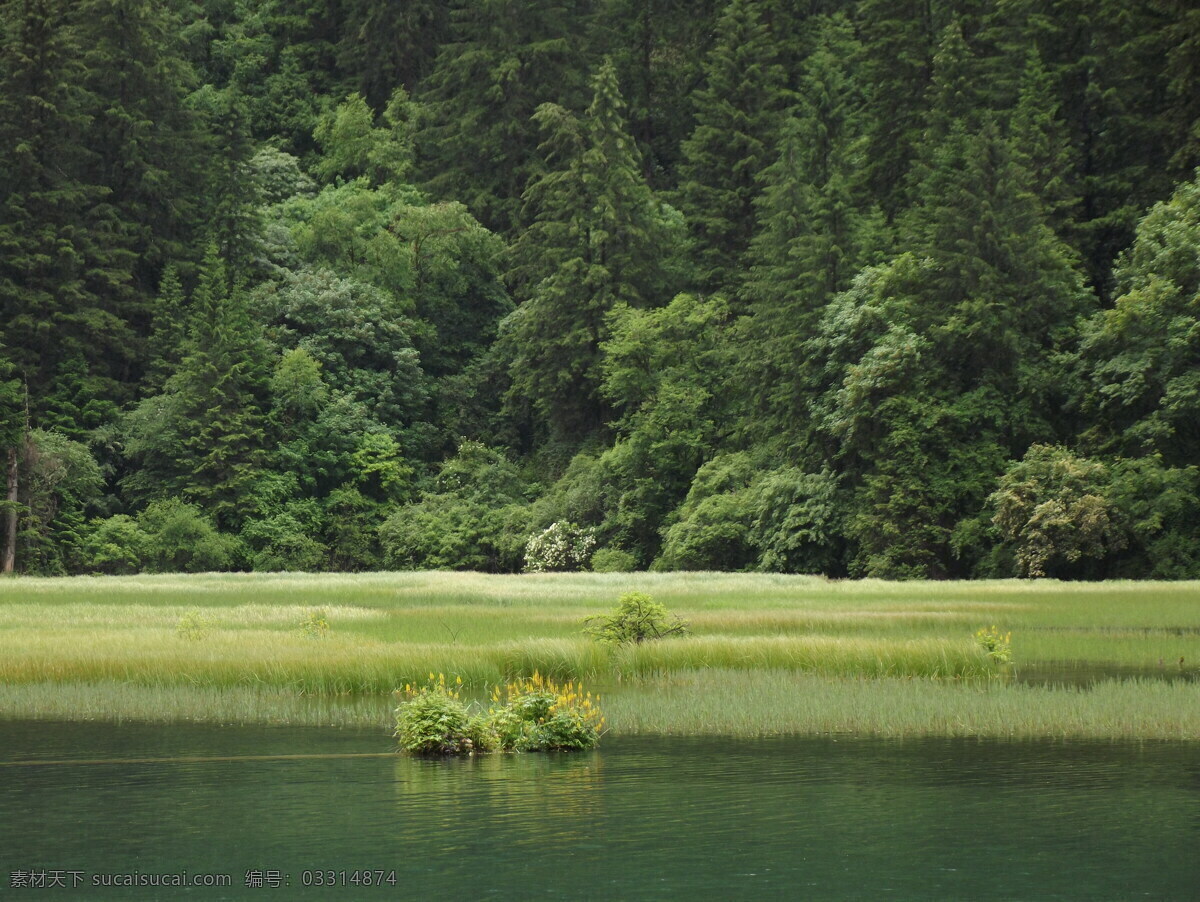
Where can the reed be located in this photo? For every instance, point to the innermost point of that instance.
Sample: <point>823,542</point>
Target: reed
<point>761,703</point>
<point>853,646</point>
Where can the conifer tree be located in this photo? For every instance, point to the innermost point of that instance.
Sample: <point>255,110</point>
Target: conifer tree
<point>504,60</point>
<point>143,141</point>
<point>202,439</point>
<point>737,115</point>
<point>1041,146</point>
<point>816,226</point>
<point>63,264</point>
<point>898,38</point>
<point>597,240</point>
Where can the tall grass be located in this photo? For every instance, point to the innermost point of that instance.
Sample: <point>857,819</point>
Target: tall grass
<point>775,633</point>
<point>759,703</point>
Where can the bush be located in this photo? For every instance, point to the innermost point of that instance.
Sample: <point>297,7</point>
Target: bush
<point>115,546</point>
<point>560,546</point>
<point>532,714</point>
<point>432,720</point>
<point>637,618</point>
<point>613,560</point>
<point>193,625</point>
<point>182,540</point>
<point>315,625</point>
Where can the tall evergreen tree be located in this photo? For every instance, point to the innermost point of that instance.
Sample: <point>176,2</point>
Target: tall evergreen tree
<point>64,264</point>
<point>202,439</point>
<point>1042,147</point>
<point>598,239</point>
<point>816,226</point>
<point>503,61</point>
<point>737,115</point>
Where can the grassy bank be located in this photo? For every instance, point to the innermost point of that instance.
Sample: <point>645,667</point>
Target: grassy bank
<point>768,654</point>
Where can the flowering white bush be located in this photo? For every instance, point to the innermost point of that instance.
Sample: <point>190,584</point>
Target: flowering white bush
<point>560,546</point>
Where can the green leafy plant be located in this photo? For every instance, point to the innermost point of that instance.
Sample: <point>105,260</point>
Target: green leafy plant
<point>432,720</point>
<point>193,625</point>
<point>997,645</point>
<point>637,617</point>
<point>526,715</point>
<point>315,625</point>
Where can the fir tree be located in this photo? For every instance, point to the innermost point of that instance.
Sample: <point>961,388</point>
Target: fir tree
<point>736,122</point>
<point>598,239</point>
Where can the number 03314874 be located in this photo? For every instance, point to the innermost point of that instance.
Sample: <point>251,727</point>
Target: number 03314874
<point>348,878</point>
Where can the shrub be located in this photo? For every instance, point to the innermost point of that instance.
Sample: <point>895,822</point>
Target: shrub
<point>613,560</point>
<point>997,645</point>
<point>560,546</point>
<point>193,625</point>
<point>182,540</point>
<point>532,714</point>
<point>637,617</point>
<point>539,714</point>
<point>115,546</point>
<point>315,625</point>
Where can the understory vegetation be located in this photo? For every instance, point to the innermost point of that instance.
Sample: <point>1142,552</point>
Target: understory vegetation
<point>874,288</point>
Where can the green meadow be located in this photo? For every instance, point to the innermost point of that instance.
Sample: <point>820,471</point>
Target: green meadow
<point>767,654</point>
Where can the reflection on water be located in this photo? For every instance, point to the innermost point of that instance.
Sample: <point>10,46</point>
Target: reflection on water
<point>1085,675</point>
<point>637,819</point>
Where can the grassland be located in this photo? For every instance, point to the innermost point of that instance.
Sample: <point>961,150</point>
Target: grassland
<point>768,654</point>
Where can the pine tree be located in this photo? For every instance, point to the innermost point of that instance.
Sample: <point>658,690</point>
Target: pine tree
<point>504,60</point>
<point>597,240</point>
<point>816,226</point>
<point>143,140</point>
<point>737,114</point>
<point>64,264</point>
<point>1041,146</point>
<point>899,38</point>
<point>202,439</point>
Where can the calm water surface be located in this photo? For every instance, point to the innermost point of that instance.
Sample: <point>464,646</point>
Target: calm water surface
<point>638,819</point>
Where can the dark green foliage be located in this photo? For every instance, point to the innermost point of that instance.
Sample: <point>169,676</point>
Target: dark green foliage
<point>928,340</point>
<point>471,518</point>
<point>503,61</point>
<point>180,539</point>
<point>1140,361</point>
<point>599,239</point>
<point>202,438</point>
<point>736,120</point>
<point>61,486</point>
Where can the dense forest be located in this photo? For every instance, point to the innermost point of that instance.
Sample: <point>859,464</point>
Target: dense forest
<point>889,288</point>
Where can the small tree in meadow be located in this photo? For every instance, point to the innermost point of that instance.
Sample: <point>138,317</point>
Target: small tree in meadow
<point>637,617</point>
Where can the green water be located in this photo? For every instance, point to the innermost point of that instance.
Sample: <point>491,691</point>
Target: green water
<point>638,819</point>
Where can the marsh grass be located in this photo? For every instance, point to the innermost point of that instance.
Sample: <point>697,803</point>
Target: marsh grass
<point>781,637</point>
<point>761,703</point>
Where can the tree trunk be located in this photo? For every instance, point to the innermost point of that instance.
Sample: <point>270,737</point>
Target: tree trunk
<point>10,516</point>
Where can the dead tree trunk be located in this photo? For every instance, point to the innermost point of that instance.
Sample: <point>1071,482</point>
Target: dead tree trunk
<point>9,559</point>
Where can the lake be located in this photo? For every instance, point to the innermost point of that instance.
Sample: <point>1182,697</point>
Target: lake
<point>285,813</point>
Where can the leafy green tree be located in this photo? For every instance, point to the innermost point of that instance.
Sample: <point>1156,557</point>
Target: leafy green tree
<point>356,335</point>
<point>61,485</point>
<point>736,120</point>
<point>1139,362</point>
<point>1053,507</point>
<point>472,518</point>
